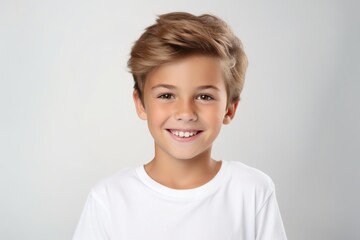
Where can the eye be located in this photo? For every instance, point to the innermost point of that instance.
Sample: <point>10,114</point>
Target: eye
<point>205,97</point>
<point>166,96</point>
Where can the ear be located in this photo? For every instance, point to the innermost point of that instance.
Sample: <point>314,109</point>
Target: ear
<point>230,112</point>
<point>140,109</point>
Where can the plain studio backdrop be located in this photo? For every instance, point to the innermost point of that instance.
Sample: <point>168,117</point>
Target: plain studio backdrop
<point>68,120</point>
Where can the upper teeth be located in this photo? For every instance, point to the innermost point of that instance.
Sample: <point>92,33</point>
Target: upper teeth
<point>183,134</point>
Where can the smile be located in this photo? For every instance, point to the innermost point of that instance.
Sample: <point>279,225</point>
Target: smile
<point>183,134</point>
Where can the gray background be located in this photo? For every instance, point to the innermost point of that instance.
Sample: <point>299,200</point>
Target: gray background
<point>67,117</point>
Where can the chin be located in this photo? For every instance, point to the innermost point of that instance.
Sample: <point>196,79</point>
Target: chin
<point>186,157</point>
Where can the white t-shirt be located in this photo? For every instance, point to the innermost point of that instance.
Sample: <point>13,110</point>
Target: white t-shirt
<point>238,203</point>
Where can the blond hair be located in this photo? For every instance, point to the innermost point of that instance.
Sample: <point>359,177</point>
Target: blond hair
<point>179,34</point>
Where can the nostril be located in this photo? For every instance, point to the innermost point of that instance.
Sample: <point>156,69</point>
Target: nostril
<point>186,117</point>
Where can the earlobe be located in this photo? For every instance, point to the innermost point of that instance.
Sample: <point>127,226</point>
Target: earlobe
<point>230,112</point>
<point>227,119</point>
<point>140,109</point>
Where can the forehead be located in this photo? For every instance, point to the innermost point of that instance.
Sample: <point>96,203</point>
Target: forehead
<point>189,71</point>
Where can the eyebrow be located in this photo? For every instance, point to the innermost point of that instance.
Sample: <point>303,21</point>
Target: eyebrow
<point>168,86</point>
<point>172,87</point>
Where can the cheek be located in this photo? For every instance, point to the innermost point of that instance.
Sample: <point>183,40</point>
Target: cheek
<point>213,121</point>
<point>214,116</point>
<point>157,113</point>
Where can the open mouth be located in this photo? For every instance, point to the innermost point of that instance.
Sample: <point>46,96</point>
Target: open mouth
<point>183,134</point>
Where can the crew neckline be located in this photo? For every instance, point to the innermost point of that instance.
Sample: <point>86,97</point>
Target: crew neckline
<point>184,194</point>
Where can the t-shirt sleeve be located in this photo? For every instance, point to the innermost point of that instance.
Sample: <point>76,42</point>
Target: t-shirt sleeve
<point>94,220</point>
<point>269,225</point>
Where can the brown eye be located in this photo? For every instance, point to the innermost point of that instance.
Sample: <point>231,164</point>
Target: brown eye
<point>205,97</point>
<point>166,96</point>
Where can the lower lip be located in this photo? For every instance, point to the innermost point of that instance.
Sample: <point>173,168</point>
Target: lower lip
<point>184,139</point>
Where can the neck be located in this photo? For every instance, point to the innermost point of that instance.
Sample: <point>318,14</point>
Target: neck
<point>182,173</point>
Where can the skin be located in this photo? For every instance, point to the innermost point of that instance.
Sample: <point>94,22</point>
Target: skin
<point>187,95</point>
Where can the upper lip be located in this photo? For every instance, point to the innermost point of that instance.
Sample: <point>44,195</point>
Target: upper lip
<point>183,130</point>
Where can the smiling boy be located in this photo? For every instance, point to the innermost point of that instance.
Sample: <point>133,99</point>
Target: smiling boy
<point>185,106</point>
<point>188,72</point>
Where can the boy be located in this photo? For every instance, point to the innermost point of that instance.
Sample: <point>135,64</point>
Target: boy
<point>188,72</point>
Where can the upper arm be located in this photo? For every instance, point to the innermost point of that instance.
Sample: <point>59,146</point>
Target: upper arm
<point>94,221</point>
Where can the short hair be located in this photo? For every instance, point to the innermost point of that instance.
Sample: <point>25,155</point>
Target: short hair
<point>179,34</point>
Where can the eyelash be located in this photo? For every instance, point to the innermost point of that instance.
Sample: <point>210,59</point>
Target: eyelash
<point>203,97</point>
<point>166,96</point>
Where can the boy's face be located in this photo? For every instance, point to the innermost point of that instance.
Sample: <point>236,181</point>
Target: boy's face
<point>185,106</point>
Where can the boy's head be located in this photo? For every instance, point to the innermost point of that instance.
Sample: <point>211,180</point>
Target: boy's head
<point>177,35</point>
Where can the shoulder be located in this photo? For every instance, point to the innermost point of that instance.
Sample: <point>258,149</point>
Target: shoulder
<point>251,181</point>
<point>121,181</point>
<point>250,175</point>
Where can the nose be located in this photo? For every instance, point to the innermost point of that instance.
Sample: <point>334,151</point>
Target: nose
<point>185,111</point>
